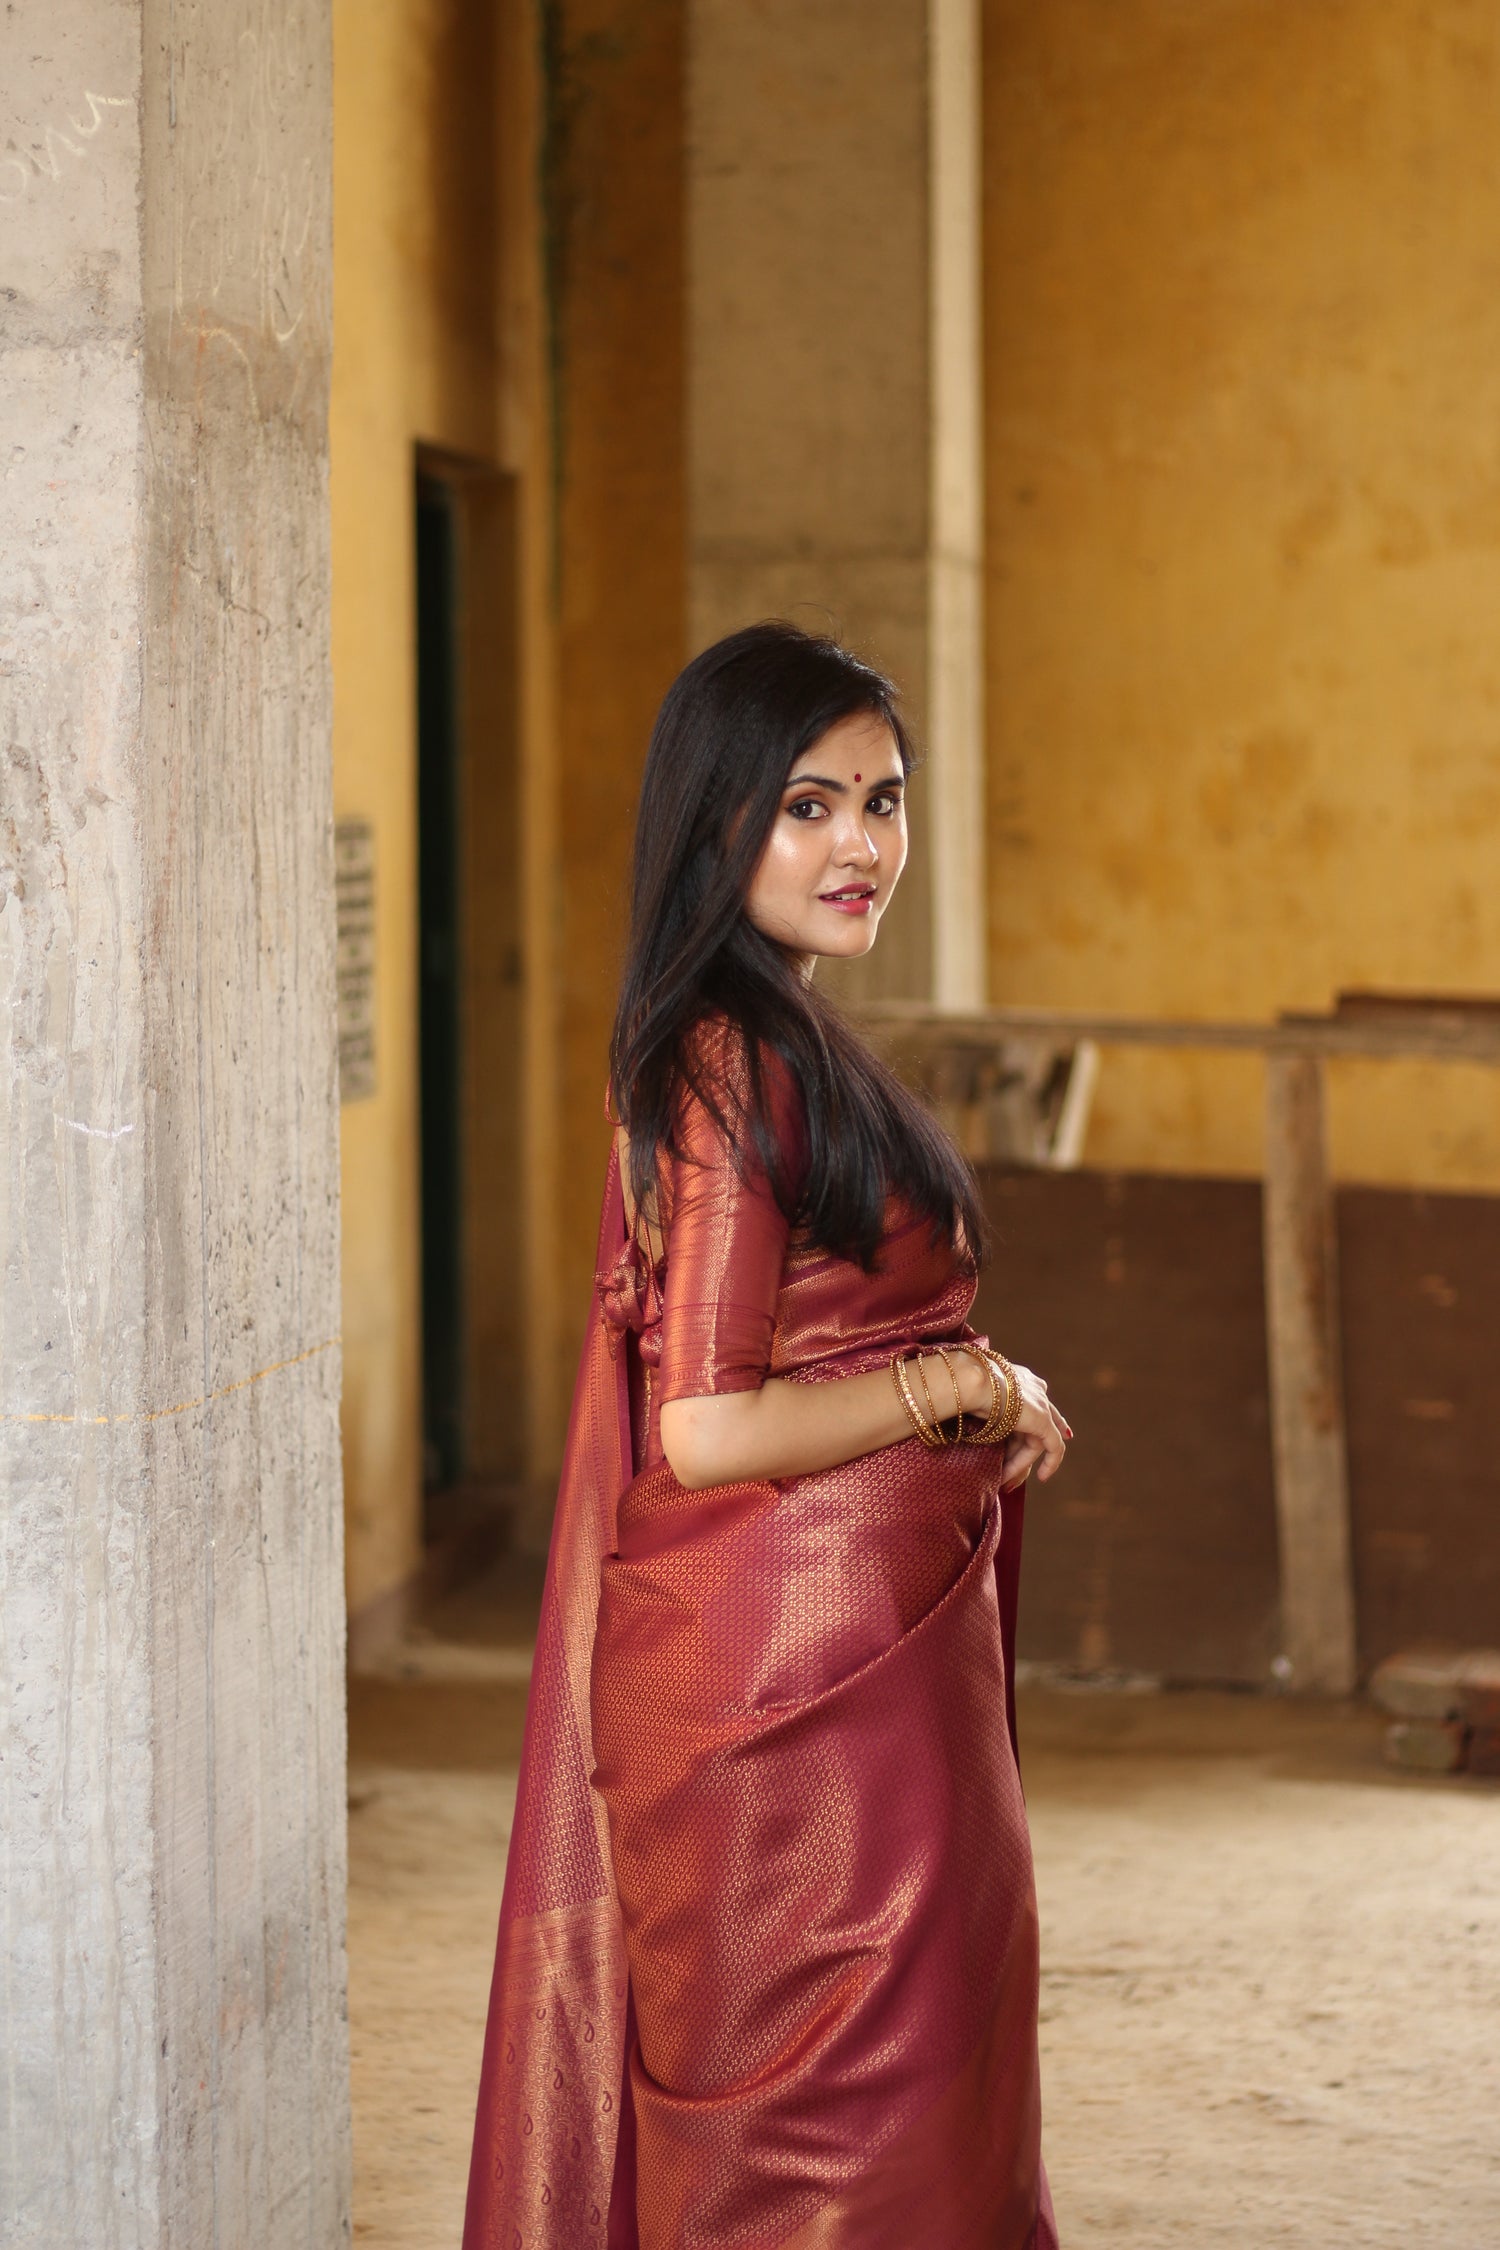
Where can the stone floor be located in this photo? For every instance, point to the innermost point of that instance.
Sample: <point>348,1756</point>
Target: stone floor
<point>1271,1969</point>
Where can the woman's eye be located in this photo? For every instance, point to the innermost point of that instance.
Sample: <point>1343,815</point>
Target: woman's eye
<point>883,803</point>
<point>807,808</point>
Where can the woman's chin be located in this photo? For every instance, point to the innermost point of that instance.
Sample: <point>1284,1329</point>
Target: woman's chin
<point>847,942</point>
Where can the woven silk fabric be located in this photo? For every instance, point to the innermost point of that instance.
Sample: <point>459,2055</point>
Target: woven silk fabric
<point>767,1965</point>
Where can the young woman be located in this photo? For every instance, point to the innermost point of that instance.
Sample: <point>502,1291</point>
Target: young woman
<point>767,1969</point>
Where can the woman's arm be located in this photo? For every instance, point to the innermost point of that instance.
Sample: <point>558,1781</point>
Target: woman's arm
<point>794,1429</point>
<point>723,1418</point>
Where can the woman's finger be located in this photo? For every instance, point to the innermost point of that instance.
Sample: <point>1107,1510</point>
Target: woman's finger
<point>1042,1449</point>
<point>1040,1437</point>
<point>1018,1462</point>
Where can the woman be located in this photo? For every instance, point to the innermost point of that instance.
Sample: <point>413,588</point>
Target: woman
<point>767,1969</point>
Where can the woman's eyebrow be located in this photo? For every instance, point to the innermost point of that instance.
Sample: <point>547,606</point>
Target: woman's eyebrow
<point>841,788</point>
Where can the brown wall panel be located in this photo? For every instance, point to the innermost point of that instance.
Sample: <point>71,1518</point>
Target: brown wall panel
<point>1420,1291</point>
<point>1139,1298</point>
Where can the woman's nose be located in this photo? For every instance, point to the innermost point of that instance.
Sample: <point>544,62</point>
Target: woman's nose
<point>855,846</point>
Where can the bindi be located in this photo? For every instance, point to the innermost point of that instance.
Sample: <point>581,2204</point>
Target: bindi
<point>859,777</point>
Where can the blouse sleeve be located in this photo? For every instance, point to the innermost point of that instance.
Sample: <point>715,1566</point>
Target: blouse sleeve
<point>726,1243</point>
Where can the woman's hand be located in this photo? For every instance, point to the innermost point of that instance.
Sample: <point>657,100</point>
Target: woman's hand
<point>1039,1439</point>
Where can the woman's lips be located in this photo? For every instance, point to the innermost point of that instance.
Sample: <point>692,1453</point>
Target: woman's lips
<point>850,900</point>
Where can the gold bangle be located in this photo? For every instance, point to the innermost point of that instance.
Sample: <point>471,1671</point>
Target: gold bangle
<point>932,1435</point>
<point>929,1436</point>
<point>1002,1420</point>
<point>1013,1391</point>
<point>931,1404</point>
<point>999,1399</point>
<point>958,1396</point>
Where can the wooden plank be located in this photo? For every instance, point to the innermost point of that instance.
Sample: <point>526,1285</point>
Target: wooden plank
<point>1443,1034</point>
<point>1307,1413</point>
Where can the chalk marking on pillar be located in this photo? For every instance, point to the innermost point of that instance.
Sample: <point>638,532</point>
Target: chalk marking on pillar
<point>98,104</point>
<point>185,1406</point>
<point>52,140</point>
<point>100,1132</point>
<point>207,336</point>
<point>46,166</point>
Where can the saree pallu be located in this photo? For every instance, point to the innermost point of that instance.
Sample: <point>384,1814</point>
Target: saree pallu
<point>767,1965</point>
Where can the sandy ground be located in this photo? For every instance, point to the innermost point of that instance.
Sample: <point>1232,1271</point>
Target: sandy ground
<point>1271,1970</point>
<point>1271,1982</point>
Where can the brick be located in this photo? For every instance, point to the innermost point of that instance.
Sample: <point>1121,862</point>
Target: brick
<point>1479,1688</point>
<point>1420,1683</point>
<point>1425,1745</point>
<point>1484,1751</point>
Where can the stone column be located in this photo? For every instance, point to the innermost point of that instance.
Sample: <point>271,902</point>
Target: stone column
<point>835,470</point>
<point>171,1797</point>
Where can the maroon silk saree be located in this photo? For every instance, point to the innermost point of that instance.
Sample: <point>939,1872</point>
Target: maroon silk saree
<point>767,1964</point>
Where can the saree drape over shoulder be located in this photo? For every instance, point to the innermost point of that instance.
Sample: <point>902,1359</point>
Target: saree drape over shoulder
<point>767,1965</point>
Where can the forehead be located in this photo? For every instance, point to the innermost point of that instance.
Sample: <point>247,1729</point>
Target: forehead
<point>861,743</point>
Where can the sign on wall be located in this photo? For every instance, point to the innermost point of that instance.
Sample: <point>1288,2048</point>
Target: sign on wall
<point>354,879</point>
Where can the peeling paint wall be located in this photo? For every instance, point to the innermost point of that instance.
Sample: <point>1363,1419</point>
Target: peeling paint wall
<point>172,1821</point>
<point>1243,338</point>
<point>416,359</point>
<point>615,220</point>
<point>508,281</point>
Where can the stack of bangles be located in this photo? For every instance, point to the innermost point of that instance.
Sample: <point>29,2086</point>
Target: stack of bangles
<point>1005,1395</point>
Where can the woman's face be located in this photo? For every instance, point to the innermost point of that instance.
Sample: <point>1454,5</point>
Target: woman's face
<point>837,846</point>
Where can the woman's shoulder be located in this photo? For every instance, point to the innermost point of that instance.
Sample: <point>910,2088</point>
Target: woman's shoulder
<point>728,1077</point>
<point>720,1054</point>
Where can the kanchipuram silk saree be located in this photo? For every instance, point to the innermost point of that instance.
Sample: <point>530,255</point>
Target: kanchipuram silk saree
<point>767,1964</point>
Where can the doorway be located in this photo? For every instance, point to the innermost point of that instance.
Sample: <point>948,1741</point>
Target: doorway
<point>469,983</point>
<point>439,695</point>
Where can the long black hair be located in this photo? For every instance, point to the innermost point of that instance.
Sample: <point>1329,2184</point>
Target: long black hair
<point>725,739</point>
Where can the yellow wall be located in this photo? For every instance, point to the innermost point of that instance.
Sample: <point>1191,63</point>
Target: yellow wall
<point>415,358</point>
<point>617,273</point>
<point>1243,427</point>
<point>508,282</point>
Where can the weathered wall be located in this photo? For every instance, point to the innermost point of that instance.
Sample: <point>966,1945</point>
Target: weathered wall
<point>416,359</point>
<point>173,1814</point>
<point>508,270</point>
<point>1244,542</point>
<point>613,220</point>
<point>809,437</point>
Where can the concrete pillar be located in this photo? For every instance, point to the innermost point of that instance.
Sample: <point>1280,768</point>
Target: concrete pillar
<point>171,1796</point>
<point>835,467</point>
